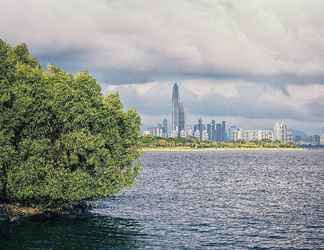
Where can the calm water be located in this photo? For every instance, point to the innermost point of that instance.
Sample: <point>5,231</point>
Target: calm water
<point>205,200</point>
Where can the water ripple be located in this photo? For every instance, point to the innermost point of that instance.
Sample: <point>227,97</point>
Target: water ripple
<point>201,200</point>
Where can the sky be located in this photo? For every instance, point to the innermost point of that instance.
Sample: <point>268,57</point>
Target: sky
<point>249,62</point>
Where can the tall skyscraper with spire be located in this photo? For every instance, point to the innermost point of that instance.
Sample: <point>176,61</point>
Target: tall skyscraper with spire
<point>178,115</point>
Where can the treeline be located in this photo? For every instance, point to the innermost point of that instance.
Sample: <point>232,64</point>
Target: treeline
<point>61,140</point>
<point>159,142</point>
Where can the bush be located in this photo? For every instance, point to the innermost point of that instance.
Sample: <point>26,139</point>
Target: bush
<point>61,140</point>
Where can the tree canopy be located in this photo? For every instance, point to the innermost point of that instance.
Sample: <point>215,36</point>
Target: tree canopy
<point>61,140</point>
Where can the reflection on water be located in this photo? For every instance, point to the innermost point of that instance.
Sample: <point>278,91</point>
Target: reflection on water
<point>88,232</point>
<point>199,200</point>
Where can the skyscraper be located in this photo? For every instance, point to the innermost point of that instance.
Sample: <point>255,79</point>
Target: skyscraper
<point>181,119</point>
<point>178,115</point>
<point>209,132</point>
<point>175,110</point>
<point>213,128</point>
<point>218,132</point>
<point>165,128</point>
<point>200,128</point>
<point>233,133</point>
<point>223,136</point>
<point>280,132</point>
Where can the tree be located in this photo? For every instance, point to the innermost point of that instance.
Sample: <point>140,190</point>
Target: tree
<point>61,140</point>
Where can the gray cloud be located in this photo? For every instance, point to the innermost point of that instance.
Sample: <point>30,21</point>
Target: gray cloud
<point>263,47</point>
<point>277,42</point>
<point>246,100</point>
<point>316,108</point>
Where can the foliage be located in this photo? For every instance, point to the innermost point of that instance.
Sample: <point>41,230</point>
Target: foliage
<point>61,140</point>
<point>153,142</point>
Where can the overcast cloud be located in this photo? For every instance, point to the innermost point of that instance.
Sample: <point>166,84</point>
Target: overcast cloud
<point>255,60</point>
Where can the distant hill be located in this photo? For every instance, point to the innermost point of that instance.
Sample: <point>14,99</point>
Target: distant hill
<point>299,133</point>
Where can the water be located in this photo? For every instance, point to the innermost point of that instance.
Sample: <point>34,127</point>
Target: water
<point>199,200</point>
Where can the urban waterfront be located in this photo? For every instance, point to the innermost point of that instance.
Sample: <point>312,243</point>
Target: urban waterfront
<point>199,200</point>
<point>217,132</point>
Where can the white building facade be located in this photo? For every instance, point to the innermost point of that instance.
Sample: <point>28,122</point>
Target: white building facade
<point>280,132</point>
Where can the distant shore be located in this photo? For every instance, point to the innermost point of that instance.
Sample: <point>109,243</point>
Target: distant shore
<point>189,149</point>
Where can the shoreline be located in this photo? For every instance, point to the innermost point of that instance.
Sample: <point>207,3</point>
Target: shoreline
<point>13,212</point>
<point>188,149</point>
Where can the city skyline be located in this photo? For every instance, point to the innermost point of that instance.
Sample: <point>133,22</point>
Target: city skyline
<point>198,108</point>
<point>177,108</point>
<point>218,132</point>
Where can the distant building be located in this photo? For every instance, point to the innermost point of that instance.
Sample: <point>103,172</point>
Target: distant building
<point>248,135</point>
<point>200,128</point>
<point>189,131</point>
<point>178,115</point>
<point>175,111</point>
<point>298,140</point>
<point>209,132</point>
<point>265,134</point>
<point>146,133</point>
<point>182,123</point>
<point>165,128</point>
<point>237,134</point>
<point>156,131</point>
<point>213,130</point>
<point>308,140</point>
<point>290,137</point>
<point>204,135</point>
<point>233,133</point>
<point>280,133</point>
<point>322,139</point>
<point>223,132</point>
<point>196,133</point>
<point>183,133</point>
<point>316,140</point>
<point>218,134</point>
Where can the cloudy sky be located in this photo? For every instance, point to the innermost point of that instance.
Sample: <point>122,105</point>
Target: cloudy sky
<point>249,62</point>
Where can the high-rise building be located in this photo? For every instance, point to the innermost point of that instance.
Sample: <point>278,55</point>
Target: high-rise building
<point>322,139</point>
<point>175,110</point>
<point>290,137</point>
<point>181,119</point>
<point>280,132</point>
<point>209,131</point>
<point>165,128</point>
<point>213,130</point>
<point>178,115</point>
<point>233,133</point>
<point>189,131</point>
<point>223,135</point>
<point>218,136</point>
<point>200,128</point>
<point>154,131</point>
<point>316,140</point>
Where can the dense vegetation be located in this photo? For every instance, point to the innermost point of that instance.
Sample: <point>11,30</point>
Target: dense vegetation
<point>158,142</point>
<point>61,140</point>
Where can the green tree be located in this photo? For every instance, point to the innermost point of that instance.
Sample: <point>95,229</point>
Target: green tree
<point>61,140</point>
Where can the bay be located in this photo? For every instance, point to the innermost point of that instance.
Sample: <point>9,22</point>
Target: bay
<point>198,200</point>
